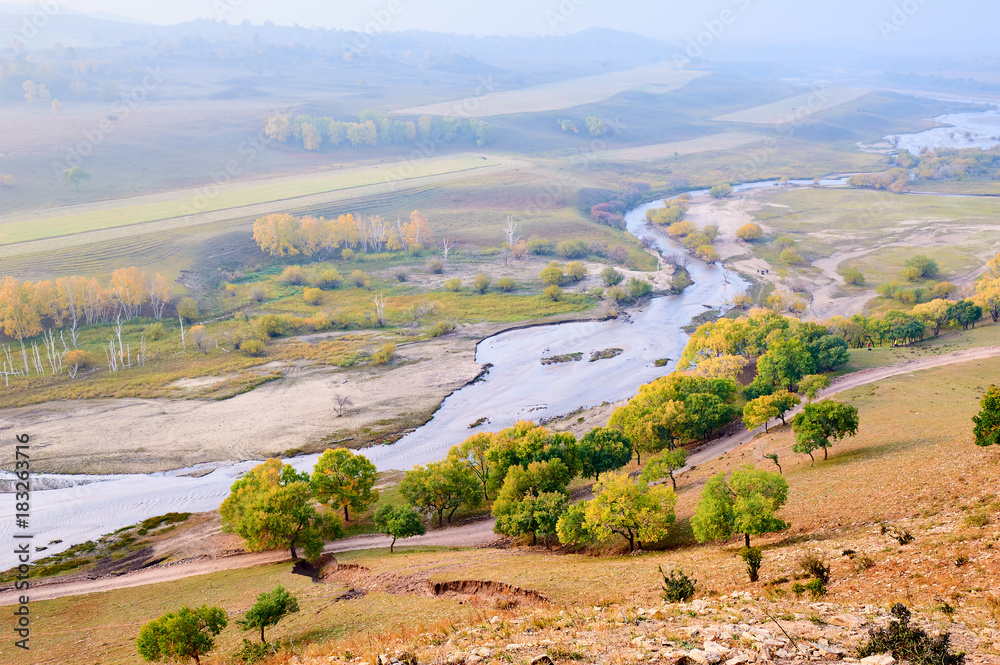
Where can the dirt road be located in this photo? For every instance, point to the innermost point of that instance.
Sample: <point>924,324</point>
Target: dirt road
<point>467,535</point>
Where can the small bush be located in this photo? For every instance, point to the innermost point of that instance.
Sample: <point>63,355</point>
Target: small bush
<point>752,557</point>
<point>540,246</point>
<point>816,588</point>
<point>677,587</point>
<point>783,242</point>
<point>720,191</point>
<point>576,270</point>
<point>253,652</point>
<point>156,331</point>
<point>552,292</point>
<point>790,256</point>
<point>749,232</point>
<point>360,279</point>
<point>400,274</point>
<point>611,277</point>
<point>853,276</point>
<point>506,284</point>
<point>253,347</point>
<point>453,284</point>
<point>312,296</point>
<point>294,275</point>
<point>347,254</point>
<point>441,328</point>
<point>270,325</point>
<point>435,266</point>
<point>814,566</point>
<point>639,288</point>
<point>187,309</point>
<point>863,562</point>
<point>481,282</point>
<point>572,249</point>
<point>909,643</point>
<point>79,357</point>
<point>384,355</point>
<point>553,274</point>
<point>258,294</point>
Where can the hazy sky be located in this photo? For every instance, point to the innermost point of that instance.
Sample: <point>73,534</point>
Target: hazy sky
<point>851,22</point>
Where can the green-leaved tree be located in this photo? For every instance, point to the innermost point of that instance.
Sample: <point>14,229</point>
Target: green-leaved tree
<point>345,479</point>
<point>819,422</point>
<point>270,608</point>
<point>987,429</point>
<point>747,503</point>
<point>187,633</point>
<point>603,449</point>
<point>398,522</point>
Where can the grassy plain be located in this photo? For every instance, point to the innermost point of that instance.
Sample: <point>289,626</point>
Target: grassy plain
<point>795,108</point>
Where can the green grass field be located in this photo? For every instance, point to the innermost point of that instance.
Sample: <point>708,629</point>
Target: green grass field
<point>99,217</point>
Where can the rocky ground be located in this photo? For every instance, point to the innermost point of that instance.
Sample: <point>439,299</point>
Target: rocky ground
<point>730,630</point>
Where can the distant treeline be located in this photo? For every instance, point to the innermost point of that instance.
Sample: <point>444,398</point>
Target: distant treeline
<point>373,129</point>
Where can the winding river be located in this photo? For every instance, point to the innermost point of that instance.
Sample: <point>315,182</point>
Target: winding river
<point>518,386</point>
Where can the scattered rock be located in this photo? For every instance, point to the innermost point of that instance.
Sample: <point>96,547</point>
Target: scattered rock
<point>706,657</point>
<point>880,659</point>
<point>852,621</point>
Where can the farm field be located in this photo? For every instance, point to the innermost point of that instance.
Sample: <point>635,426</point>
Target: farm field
<point>795,108</point>
<point>723,141</point>
<point>189,207</point>
<point>562,94</point>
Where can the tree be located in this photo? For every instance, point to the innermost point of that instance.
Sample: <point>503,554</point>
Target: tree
<point>759,411</point>
<point>441,486</point>
<point>923,266</point>
<point>749,232</point>
<point>75,175</point>
<point>398,522</point>
<point>531,499</point>
<point>187,308</point>
<point>180,635</point>
<point>663,466</point>
<point>270,608</point>
<point>481,282</point>
<point>524,443</point>
<point>611,277</point>
<point>811,385</point>
<point>603,449</point>
<point>785,362</point>
<point>987,429</point>
<point>345,479</point>
<point>553,274</point>
<point>632,510</point>
<point>819,422</point>
<point>965,313</point>
<point>721,190</point>
<point>272,506</point>
<point>746,504</point>
<point>473,451</point>
<point>784,401</point>
<point>829,352</point>
<point>576,270</point>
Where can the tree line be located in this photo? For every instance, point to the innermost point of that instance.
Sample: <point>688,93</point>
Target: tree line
<point>373,129</point>
<point>282,234</point>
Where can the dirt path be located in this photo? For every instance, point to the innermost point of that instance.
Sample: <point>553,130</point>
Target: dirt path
<point>467,535</point>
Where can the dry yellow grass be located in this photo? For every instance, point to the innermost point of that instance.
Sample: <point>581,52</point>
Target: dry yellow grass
<point>724,141</point>
<point>561,94</point>
<point>795,108</point>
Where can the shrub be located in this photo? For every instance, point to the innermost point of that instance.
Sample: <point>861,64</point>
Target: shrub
<point>78,357</point>
<point>540,246</point>
<point>294,275</point>
<point>815,567</point>
<point>347,254</point>
<point>572,249</point>
<point>435,266</point>
<point>453,284</point>
<point>681,229</point>
<point>816,588</point>
<point>506,284</point>
<point>943,289</point>
<point>270,325</point>
<point>187,309</point>
<point>752,557</point>
<point>400,274</point>
<point>252,652</point>
<point>911,273</point>
<point>677,587</point>
<point>253,347</point>
<point>853,276</point>
<point>783,242</point>
<point>552,292</point>
<point>481,282</point>
<point>441,328</point>
<point>384,355</point>
<point>360,279</point>
<point>711,230</point>
<point>611,277</point>
<point>553,274</point>
<point>312,296</point>
<point>790,256</point>
<point>638,288</point>
<point>257,294</point>
<point>615,294</point>
<point>720,191</point>
<point>922,266</point>
<point>156,331</point>
<point>576,270</point>
<point>618,254</point>
<point>750,232</point>
<point>909,643</point>
<point>707,253</point>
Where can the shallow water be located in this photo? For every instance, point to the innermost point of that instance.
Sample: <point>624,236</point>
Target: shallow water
<point>980,129</point>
